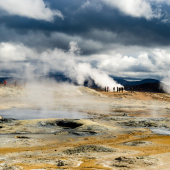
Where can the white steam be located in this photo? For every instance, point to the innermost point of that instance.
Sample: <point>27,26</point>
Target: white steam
<point>165,85</point>
<point>77,70</point>
<point>29,63</point>
<point>82,71</point>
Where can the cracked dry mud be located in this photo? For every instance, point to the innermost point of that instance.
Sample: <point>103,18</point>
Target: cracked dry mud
<point>117,133</point>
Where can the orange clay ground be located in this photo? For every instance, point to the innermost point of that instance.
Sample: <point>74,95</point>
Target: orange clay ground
<point>117,135</point>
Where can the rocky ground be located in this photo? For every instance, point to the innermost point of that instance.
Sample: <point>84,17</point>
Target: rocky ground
<point>122,131</point>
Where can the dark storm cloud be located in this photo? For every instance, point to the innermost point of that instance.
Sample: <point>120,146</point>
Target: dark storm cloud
<point>104,25</point>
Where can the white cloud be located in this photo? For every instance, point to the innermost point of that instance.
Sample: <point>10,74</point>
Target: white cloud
<point>135,8</point>
<point>35,9</point>
<point>14,52</point>
<point>86,4</point>
<point>146,63</point>
<point>91,4</point>
<point>160,1</point>
<point>121,64</point>
<point>148,9</point>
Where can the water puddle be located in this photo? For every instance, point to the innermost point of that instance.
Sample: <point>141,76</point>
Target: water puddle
<point>40,114</point>
<point>156,130</point>
<point>160,131</point>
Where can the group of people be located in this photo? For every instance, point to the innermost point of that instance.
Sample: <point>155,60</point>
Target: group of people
<point>106,89</point>
<point>119,89</point>
<point>5,83</point>
<point>15,83</point>
<point>131,89</point>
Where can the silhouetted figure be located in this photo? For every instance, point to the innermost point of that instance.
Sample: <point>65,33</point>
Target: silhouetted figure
<point>131,89</point>
<point>15,83</point>
<point>117,89</point>
<point>113,89</point>
<point>122,89</point>
<point>5,82</point>
<point>105,89</point>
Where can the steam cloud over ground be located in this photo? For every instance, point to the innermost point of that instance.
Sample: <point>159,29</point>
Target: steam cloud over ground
<point>57,60</point>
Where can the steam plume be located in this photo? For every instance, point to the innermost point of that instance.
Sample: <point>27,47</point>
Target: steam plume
<point>75,69</point>
<point>29,63</point>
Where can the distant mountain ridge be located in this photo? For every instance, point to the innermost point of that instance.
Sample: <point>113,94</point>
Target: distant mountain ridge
<point>146,85</point>
<point>149,85</point>
<point>135,83</point>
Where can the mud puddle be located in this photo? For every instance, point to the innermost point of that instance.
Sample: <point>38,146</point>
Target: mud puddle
<point>156,130</point>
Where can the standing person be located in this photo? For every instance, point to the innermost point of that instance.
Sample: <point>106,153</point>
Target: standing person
<point>105,88</point>
<point>122,89</point>
<point>117,89</point>
<point>113,89</point>
<point>131,89</point>
<point>15,83</point>
<point>5,82</point>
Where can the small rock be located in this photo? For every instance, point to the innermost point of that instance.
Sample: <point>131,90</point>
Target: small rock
<point>21,137</point>
<point>140,157</point>
<point>125,114</point>
<point>60,163</point>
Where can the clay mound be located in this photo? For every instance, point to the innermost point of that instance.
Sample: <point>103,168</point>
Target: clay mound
<point>70,90</point>
<point>77,91</point>
<point>121,163</point>
<point>86,90</point>
<point>87,148</point>
<point>138,143</point>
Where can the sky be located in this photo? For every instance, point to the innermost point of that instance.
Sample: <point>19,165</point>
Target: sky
<point>120,38</point>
